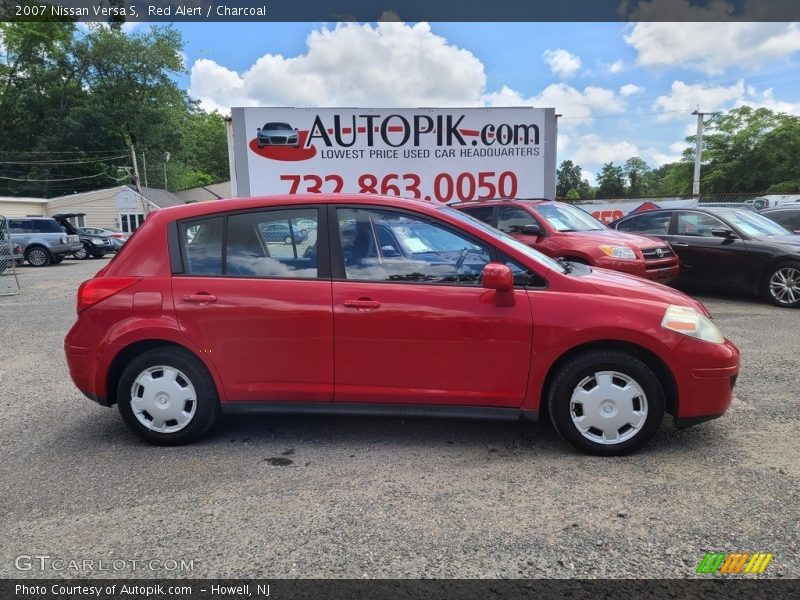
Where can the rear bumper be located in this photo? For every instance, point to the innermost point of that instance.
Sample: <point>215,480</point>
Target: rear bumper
<point>82,370</point>
<point>708,374</point>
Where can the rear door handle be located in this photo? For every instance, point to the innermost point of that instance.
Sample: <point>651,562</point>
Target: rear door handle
<point>199,298</point>
<point>362,304</point>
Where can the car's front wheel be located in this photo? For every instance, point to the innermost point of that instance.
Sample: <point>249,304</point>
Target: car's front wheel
<point>167,396</point>
<point>783,285</point>
<point>606,402</point>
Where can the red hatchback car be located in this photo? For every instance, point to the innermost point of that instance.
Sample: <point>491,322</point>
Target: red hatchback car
<point>566,232</point>
<point>384,306</point>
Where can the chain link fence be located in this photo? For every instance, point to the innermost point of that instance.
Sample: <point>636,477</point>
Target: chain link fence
<point>10,254</point>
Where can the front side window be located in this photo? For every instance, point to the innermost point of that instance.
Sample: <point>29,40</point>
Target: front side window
<point>697,224</point>
<point>511,219</point>
<point>383,245</point>
<point>19,226</point>
<point>654,224</point>
<point>273,243</point>
<point>786,218</point>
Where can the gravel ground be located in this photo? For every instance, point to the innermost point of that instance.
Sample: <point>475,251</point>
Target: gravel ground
<point>367,497</point>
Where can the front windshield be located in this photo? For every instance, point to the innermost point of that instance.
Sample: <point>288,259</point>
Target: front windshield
<point>499,236</point>
<point>276,126</point>
<point>568,218</point>
<point>755,225</point>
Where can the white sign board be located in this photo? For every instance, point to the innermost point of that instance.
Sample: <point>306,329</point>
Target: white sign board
<point>440,155</point>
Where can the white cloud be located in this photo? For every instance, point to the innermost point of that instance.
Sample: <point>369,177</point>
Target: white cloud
<point>616,67</point>
<point>590,177</point>
<point>629,89</point>
<point>567,100</point>
<point>709,47</point>
<point>386,64</point>
<point>684,98</point>
<point>594,150</point>
<point>657,157</point>
<point>562,62</point>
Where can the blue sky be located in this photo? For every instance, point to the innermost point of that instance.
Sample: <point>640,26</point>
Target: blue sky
<point>623,89</point>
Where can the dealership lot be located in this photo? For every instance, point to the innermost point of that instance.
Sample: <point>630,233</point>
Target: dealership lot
<point>362,497</point>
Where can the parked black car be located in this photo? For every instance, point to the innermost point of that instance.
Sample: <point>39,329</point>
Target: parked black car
<point>727,248</point>
<point>93,245</point>
<point>787,215</point>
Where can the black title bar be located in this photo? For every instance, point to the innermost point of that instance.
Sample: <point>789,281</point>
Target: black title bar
<point>404,10</point>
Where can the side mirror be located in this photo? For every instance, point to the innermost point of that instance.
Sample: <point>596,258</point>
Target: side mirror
<point>497,276</point>
<point>296,129</point>
<point>532,229</point>
<point>722,232</point>
<point>259,128</point>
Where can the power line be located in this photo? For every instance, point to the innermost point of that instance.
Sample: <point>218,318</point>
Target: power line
<point>63,162</point>
<point>627,116</point>
<point>56,180</point>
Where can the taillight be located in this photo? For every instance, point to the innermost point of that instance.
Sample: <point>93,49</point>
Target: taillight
<point>98,289</point>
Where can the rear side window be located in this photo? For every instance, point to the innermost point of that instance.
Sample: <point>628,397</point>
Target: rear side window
<point>45,226</point>
<point>274,243</point>
<point>788,218</point>
<point>655,224</point>
<point>202,244</point>
<point>482,213</point>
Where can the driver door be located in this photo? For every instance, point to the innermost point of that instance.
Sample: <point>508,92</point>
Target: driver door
<point>412,324</point>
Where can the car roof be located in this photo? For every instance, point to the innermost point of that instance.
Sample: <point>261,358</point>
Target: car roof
<point>500,201</point>
<point>211,207</point>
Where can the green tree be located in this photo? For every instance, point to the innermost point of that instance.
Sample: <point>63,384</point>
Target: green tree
<point>611,181</point>
<point>569,177</point>
<point>637,172</point>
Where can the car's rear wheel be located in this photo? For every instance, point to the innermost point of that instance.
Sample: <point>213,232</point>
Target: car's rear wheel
<point>783,285</point>
<point>606,402</point>
<point>82,254</point>
<point>167,396</point>
<point>38,256</point>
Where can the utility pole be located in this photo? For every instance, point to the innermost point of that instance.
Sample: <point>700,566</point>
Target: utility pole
<point>136,177</point>
<point>144,166</point>
<point>698,150</point>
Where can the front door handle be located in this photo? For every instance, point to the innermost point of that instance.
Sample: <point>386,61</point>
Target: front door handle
<point>362,304</point>
<point>681,244</point>
<point>201,298</point>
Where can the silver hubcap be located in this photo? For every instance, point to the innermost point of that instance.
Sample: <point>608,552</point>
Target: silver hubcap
<point>608,407</point>
<point>784,285</point>
<point>163,399</point>
<point>37,257</point>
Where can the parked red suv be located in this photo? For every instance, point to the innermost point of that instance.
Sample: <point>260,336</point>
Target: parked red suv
<point>566,232</point>
<point>384,306</point>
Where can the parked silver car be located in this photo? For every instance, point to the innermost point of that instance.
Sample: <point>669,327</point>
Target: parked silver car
<point>42,240</point>
<point>277,134</point>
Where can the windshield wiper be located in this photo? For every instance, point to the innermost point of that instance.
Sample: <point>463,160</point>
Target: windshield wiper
<point>566,265</point>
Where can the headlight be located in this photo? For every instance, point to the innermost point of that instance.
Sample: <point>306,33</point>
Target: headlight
<point>97,241</point>
<point>686,320</point>
<point>618,252</point>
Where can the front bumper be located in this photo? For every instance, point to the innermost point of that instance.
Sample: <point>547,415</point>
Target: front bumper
<point>662,271</point>
<point>66,249</point>
<point>705,379</point>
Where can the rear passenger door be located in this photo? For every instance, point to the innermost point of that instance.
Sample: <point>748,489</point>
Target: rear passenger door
<point>258,307</point>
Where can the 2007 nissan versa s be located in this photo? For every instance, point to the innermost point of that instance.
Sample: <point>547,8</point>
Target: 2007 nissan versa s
<point>384,306</point>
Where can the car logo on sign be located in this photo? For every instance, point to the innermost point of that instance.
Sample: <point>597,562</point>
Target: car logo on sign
<point>660,252</point>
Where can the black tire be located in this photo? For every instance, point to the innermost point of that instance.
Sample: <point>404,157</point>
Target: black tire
<point>583,366</point>
<point>100,254</point>
<point>206,412</point>
<point>780,277</point>
<point>83,253</point>
<point>58,259</point>
<point>38,256</point>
